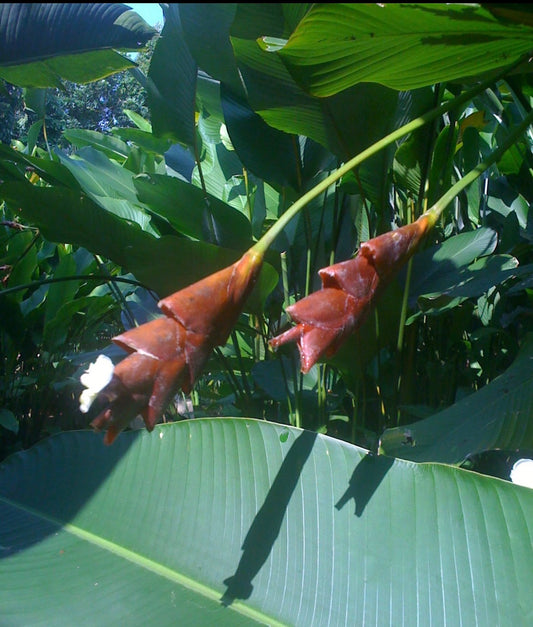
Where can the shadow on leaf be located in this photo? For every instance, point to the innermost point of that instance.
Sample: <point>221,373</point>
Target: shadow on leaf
<point>365,480</point>
<point>267,522</point>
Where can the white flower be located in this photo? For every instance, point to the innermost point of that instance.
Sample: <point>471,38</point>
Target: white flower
<point>522,473</point>
<point>95,378</point>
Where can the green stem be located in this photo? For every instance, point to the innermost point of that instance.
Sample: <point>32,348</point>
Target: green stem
<point>285,280</point>
<point>268,238</point>
<point>403,313</point>
<point>401,330</point>
<point>76,277</point>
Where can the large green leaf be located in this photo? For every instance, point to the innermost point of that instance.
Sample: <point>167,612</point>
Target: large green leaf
<point>345,124</point>
<point>403,46</point>
<point>42,43</point>
<point>499,416</point>
<point>267,152</point>
<point>161,263</point>
<point>208,22</point>
<point>113,147</point>
<point>204,517</point>
<point>107,184</point>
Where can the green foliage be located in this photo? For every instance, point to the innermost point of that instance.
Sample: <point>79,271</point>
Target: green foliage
<point>98,106</point>
<point>193,163</point>
<point>240,154</point>
<point>88,38</point>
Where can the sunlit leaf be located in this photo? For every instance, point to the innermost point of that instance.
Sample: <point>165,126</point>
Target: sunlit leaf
<point>403,46</point>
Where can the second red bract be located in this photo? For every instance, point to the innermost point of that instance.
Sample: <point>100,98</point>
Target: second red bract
<point>350,290</point>
<point>168,353</point>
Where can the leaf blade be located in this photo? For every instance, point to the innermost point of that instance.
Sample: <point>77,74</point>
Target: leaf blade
<point>256,514</point>
<point>404,47</point>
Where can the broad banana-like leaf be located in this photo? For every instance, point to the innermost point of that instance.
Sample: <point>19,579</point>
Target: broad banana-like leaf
<point>239,521</point>
<point>40,44</point>
<point>498,416</point>
<point>113,147</point>
<point>403,46</point>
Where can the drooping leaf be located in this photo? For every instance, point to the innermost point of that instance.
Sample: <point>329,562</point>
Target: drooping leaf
<point>273,155</point>
<point>172,83</point>
<point>498,416</point>
<point>206,28</point>
<point>240,521</point>
<point>40,44</point>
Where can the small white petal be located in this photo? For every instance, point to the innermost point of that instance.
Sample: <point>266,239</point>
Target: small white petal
<point>99,374</point>
<point>522,473</point>
<point>95,378</point>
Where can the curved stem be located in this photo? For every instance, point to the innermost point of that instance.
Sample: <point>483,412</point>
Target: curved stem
<point>75,277</point>
<point>265,242</point>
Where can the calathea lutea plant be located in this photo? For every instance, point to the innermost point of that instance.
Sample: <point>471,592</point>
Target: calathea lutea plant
<point>167,354</point>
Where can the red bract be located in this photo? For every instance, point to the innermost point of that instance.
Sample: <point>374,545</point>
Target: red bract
<point>349,292</point>
<point>168,354</point>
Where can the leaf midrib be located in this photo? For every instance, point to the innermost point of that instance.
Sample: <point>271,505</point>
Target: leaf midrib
<point>143,562</point>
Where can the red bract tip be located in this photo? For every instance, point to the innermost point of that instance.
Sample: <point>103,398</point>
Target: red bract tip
<point>350,289</point>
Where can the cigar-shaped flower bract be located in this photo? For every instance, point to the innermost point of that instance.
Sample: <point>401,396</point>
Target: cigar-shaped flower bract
<point>350,290</point>
<point>167,354</point>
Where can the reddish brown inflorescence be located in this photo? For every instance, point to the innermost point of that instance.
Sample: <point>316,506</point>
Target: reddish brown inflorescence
<point>350,289</point>
<point>168,353</point>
